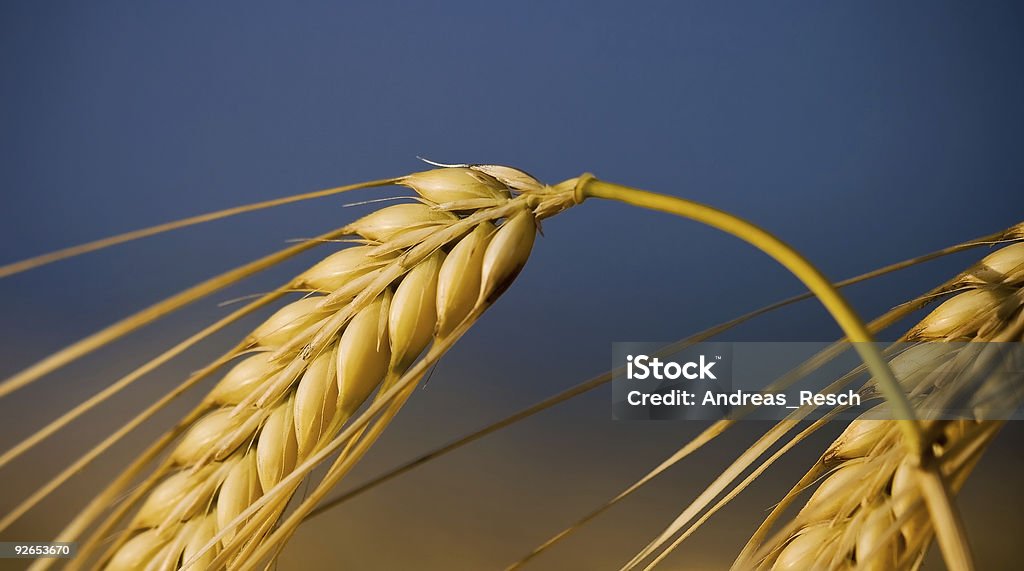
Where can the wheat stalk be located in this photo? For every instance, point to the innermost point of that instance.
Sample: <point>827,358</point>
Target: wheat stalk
<point>867,511</point>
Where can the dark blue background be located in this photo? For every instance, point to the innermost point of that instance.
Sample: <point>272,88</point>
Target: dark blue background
<point>862,133</point>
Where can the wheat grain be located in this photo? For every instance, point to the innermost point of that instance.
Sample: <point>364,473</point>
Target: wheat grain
<point>425,269</point>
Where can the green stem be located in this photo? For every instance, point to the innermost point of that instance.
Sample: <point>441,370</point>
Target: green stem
<point>845,316</point>
<point>954,545</point>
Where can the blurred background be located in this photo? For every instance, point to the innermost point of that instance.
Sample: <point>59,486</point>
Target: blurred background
<point>862,133</point>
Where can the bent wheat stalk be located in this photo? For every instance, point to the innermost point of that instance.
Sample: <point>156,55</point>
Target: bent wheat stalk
<point>952,539</point>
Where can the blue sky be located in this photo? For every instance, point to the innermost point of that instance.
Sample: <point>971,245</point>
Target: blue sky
<point>863,133</point>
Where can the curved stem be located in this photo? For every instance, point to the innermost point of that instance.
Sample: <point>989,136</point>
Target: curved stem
<point>837,306</point>
<point>954,545</point>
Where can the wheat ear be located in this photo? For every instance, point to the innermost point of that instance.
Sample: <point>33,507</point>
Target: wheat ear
<point>775,434</point>
<point>867,511</point>
<point>424,269</point>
